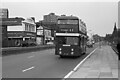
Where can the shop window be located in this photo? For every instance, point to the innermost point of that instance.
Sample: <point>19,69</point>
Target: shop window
<point>29,28</point>
<point>33,28</point>
<point>26,27</point>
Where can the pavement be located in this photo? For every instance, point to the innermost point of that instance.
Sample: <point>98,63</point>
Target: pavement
<point>119,69</point>
<point>0,67</point>
<point>103,63</point>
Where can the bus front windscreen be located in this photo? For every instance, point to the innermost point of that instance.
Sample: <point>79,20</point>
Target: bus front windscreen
<point>67,40</point>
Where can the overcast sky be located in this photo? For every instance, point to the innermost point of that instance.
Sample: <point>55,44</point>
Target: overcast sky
<point>98,16</point>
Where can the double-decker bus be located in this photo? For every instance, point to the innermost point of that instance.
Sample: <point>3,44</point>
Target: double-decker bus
<point>70,37</point>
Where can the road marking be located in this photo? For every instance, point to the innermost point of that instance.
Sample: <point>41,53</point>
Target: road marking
<point>68,74</point>
<point>31,56</point>
<point>77,67</point>
<point>28,69</point>
<point>84,60</point>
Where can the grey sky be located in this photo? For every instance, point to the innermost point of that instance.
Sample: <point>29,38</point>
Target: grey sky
<point>98,16</point>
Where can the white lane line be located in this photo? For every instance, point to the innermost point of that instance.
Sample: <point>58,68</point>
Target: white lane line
<point>84,60</point>
<point>76,68</point>
<point>31,56</point>
<point>68,74</point>
<point>28,69</point>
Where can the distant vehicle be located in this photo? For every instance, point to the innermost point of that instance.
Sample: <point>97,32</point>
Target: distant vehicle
<point>70,37</point>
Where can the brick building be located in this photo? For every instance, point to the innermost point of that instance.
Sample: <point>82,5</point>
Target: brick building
<point>50,18</point>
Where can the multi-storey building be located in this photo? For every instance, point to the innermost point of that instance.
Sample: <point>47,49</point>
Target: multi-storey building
<point>50,17</point>
<point>4,13</point>
<point>21,31</point>
<point>49,24</point>
<point>3,33</point>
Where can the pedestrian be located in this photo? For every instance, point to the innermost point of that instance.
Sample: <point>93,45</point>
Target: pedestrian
<point>118,48</point>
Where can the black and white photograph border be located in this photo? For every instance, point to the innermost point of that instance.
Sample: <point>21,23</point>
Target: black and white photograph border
<point>34,11</point>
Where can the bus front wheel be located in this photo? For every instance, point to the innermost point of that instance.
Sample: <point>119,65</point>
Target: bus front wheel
<point>62,56</point>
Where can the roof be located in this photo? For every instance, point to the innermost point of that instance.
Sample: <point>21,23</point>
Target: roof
<point>67,17</point>
<point>29,20</point>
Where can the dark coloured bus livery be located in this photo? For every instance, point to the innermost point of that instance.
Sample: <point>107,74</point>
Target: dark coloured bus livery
<point>70,37</point>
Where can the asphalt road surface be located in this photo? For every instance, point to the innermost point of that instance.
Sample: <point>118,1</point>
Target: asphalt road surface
<point>40,64</point>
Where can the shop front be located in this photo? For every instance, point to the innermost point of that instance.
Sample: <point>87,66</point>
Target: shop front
<point>21,38</point>
<point>22,34</point>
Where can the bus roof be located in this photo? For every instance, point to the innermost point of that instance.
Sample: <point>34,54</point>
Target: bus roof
<point>67,17</point>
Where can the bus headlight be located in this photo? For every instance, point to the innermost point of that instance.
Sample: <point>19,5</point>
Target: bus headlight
<point>60,52</point>
<point>72,49</point>
<point>60,49</point>
<point>72,53</point>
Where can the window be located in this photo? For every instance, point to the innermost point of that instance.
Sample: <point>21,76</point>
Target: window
<point>68,40</point>
<point>33,28</point>
<point>26,27</point>
<point>29,27</point>
<point>67,21</point>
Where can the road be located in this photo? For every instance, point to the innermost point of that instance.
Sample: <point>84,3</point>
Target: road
<point>40,64</point>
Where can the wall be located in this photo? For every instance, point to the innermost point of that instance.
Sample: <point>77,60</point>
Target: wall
<point>15,28</point>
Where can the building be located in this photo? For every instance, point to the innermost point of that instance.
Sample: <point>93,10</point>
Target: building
<point>114,33</point>
<point>4,13</point>
<point>45,28</point>
<point>3,34</point>
<point>97,38</point>
<point>43,34</point>
<point>83,27</point>
<point>40,35</point>
<point>115,36</point>
<point>50,18</point>
<point>5,23</point>
<point>50,22</point>
<point>21,32</point>
<point>47,33</point>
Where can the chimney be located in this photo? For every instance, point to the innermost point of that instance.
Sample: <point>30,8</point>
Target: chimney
<point>33,18</point>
